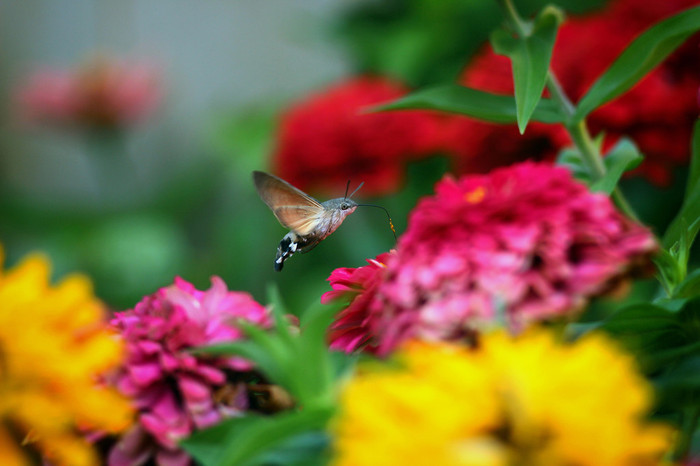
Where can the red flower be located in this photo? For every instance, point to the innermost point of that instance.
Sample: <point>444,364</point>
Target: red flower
<point>327,139</point>
<point>522,243</point>
<point>658,113</point>
<point>351,330</point>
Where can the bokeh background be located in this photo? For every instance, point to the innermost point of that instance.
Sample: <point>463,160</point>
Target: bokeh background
<point>161,186</point>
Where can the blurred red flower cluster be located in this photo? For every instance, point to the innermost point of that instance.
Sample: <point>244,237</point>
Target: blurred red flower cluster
<point>326,138</point>
<point>101,94</point>
<point>657,114</point>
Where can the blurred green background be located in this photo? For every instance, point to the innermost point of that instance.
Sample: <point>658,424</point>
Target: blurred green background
<point>172,195</point>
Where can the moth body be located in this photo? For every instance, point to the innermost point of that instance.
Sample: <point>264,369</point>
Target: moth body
<point>288,246</point>
<point>334,212</point>
<point>308,220</point>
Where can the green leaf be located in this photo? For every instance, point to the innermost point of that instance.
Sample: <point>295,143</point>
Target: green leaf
<point>658,336</point>
<point>681,385</point>
<point>640,318</point>
<point>306,449</point>
<point>693,182</point>
<point>669,270</point>
<point>621,158</point>
<point>665,357</point>
<point>206,445</point>
<point>681,249</point>
<point>673,305</point>
<point>644,327</point>
<point>268,433</point>
<point>453,98</point>
<point>278,312</point>
<point>690,210</point>
<point>251,439</point>
<point>571,158</point>
<point>301,363</point>
<point>643,54</point>
<point>529,57</point>
<point>313,349</point>
<point>690,288</point>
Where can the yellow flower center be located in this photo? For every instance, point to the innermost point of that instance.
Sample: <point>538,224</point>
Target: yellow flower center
<point>475,196</point>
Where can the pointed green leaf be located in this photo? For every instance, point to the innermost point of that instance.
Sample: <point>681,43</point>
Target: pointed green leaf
<point>269,433</point>
<point>206,446</point>
<point>301,363</point>
<point>305,449</point>
<point>624,156</point>
<point>649,330</point>
<point>690,210</point>
<point>453,98</point>
<point>638,319</point>
<point>690,288</point>
<point>529,57</point>
<point>643,54</point>
<point>682,383</point>
<point>673,305</point>
<point>693,183</point>
<point>572,159</point>
<point>666,357</point>
<point>669,270</point>
<point>250,439</point>
<point>278,312</point>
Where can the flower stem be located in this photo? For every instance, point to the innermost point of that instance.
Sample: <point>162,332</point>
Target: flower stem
<point>578,131</point>
<point>594,161</point>
<point>520,25</point>
<point>584,142</point>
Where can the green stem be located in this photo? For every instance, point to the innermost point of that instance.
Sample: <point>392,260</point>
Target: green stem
<point>559,95</point>
<point>519,24</point>
<point>589,152</point>
<point>690,423</point>
<point>578,131</point>
<point>584,143</point>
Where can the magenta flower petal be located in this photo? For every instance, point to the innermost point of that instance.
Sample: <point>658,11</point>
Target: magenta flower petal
<point>145,374</point>
<point>523,243</point>
<point>174,389</point>
<point>134,448</point>
<point>193,389</point>
<point>172,458</point>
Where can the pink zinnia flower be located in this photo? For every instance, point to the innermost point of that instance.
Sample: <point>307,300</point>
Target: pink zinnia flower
<point>524,243</point>
<point>329,137</point>
<point>176,392</point>
<point>103,94</point>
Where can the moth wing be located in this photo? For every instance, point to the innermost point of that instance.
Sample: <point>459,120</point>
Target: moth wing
<point>302,220</point>
<point>276,193</point>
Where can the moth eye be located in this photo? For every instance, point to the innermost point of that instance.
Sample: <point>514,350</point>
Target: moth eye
<point>344,206</point>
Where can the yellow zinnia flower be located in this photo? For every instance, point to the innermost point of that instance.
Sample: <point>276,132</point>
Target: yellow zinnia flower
<point>528,400</point>
<point>53,345</point>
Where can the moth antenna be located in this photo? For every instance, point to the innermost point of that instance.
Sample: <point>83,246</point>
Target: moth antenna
<point>347,188</point>
<point>356,190</point>
<point>391,224</point>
